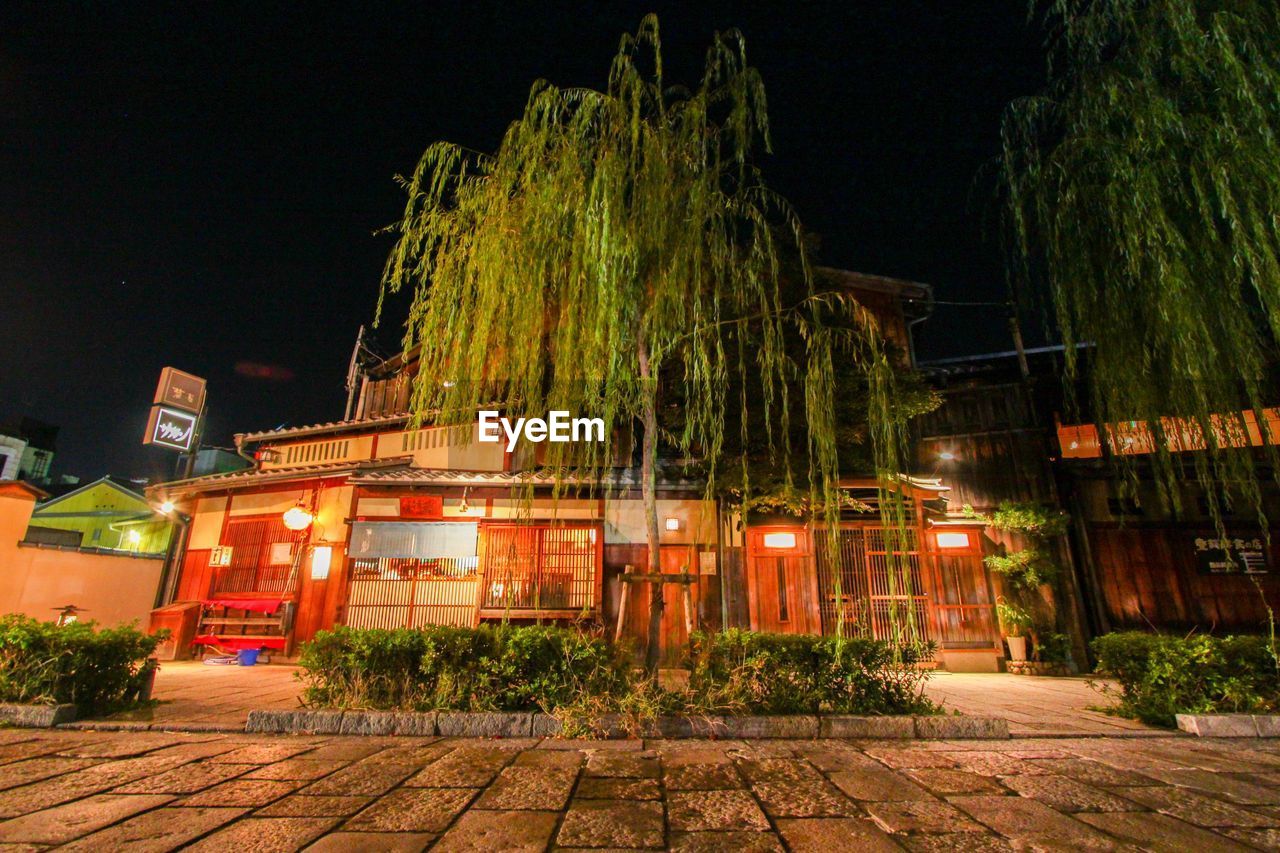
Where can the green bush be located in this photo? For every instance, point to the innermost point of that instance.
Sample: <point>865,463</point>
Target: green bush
<point>489,668</point>
<point>1162,675</point>
<point>758,673</point>
<point>97,671</point>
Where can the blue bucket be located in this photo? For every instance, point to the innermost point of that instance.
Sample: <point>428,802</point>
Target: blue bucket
<point>247,657</point>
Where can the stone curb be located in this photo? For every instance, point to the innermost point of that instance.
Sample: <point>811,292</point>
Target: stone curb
<point>612,726</point>
<point>37,716</point>
<point>1230,725</point>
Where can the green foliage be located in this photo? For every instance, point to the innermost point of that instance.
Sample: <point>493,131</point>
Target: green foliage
<point>1162,675</point>
<point>1053,648</point>
<point>755,673</point>
<point>1141,192</point>
<point>1014,619</point>
<point>489,668</point>
<point>1031,566</point>
<point>97,671</point>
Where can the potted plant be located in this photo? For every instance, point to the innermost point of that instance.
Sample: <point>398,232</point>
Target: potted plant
<point>1014,621</point>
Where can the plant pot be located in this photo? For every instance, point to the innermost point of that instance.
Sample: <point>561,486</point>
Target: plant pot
<point>1017,648</point>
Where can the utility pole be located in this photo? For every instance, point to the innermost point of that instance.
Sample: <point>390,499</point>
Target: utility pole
<point>353,373</point>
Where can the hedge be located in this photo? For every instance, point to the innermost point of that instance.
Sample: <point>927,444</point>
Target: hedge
<point>98,671</point>
<point>760,673</point>
<point>489,668</point>
<point>1162,675</point>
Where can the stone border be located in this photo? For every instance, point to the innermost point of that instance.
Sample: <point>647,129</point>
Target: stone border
<point>37,716</point>
<point>1230,725</point>
<point>526,724</point>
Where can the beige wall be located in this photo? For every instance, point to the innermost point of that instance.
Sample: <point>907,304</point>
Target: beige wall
<point>40,581</point>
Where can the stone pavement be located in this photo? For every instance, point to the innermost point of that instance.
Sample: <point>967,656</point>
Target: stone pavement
<point>153,791</point>
<point>1035,706</point>
<point>193,694</point>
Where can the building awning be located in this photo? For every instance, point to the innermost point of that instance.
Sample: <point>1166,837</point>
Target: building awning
<point>253,477</point>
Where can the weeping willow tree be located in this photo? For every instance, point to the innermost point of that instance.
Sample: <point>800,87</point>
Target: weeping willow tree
<point>617,243</point>
<point>1143,188</point>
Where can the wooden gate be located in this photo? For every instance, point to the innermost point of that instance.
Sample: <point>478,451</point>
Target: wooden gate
<point>879,588</point>
<point>539,570</point>
<point>263,554</point>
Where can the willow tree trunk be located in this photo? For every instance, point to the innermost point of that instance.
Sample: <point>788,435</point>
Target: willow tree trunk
<point>648,492</point>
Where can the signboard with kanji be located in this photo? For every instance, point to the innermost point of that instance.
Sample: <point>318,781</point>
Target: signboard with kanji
<point>172,428</point>
<point>421,506</point>
<point>180,390</point>
<point>1231,555</point>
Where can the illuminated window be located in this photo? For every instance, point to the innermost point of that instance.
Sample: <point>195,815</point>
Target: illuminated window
<point>779,540</point>
<point>953,540</point>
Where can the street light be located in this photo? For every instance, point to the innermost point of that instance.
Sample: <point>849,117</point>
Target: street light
<point>167,507</point>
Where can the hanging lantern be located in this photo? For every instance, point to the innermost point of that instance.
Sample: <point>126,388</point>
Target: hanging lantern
<point>298,518</point>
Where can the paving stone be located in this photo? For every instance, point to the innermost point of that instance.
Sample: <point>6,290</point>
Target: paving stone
<point>969,842</point>
<point>301,805</point>
<point>372,842</point>
<point>714,842</point>
<point>1266,839</point>
<point>1068,795</point>
<point>1197,808</point>
<point>354,750</point>
<point>944,781</point>
<point>362,779</point>
<point>1160,832</point>
<point>36,769</point>
<point>241,792</point>
<point>549,758</point>
<point>1268,725</point>
<point>920,816</point>
<point>156,831</point>
<point>465,767</point>
<point>951,726</point>
<point>536,788</point>
<point>1033,823</point>
<point>413,810</point>
<point>778,770</point>
<point>824,835</point>
<point>990,763</point>
<point>702,811</point>
<point>296,768</point>
<point>260,753</point>
<point>831,756</point>
<point>265,835</point>
<point>682,753</point>
<point>798,726</point>
<point>1218,725</point>
<point>484,831</point>
<point>803,799</point>
<point>1092,772</point>
<point>608,788</point>
<point>611,823</point>
<point>642,765</point>
<point>1222,785</point>
<point>187,779</point>
<point>701,777</point>
<point>122,747</point>
<point>63,823</point>
<point>908,758</point>
<point>879,785</point>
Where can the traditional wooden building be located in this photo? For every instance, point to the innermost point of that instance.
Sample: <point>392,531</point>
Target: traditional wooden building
<point>372,522</point>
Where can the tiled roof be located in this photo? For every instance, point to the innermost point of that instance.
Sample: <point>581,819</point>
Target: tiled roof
<point>254,476</point>
<point>622,477</point>
<point>317,429</point>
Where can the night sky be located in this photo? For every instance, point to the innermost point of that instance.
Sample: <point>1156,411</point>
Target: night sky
<point>199,184</point>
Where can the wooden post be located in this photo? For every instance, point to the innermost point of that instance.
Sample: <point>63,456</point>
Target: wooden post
<point>688,607</point>
<point>622,603</point>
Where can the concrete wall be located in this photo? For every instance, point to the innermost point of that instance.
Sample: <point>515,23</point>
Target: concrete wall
<point>113,590</point>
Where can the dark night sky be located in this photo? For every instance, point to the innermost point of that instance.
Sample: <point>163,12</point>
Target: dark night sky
<point>198,184</point>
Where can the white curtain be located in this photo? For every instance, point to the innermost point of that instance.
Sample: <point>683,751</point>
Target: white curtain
<point>423,540</point>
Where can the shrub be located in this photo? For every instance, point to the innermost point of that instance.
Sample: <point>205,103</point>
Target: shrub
<point>1162,675</point>
<point>489,668</point>
<point>748,672</point>
<point>97,671</point>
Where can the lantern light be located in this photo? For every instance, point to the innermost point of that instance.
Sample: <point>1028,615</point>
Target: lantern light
<point>779,540</point>
<point>298,518</point>
<point>946,456</point>
<point>673,524</point>
<point>167,507</point>
<point>953,539</point>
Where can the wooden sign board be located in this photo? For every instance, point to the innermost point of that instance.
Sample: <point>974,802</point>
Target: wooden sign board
<point>179,390</point>
<point>422,506</point>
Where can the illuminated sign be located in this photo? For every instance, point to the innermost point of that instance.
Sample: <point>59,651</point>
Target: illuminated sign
<point>1230,555</point>
<point>171,428</point>
<point>180,390</point>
